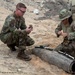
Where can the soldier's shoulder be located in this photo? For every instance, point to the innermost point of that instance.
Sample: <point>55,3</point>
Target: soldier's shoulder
<point>10,17</point>
<point>73,24</point>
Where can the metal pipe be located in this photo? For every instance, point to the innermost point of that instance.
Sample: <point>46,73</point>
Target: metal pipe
<point>55,58</point>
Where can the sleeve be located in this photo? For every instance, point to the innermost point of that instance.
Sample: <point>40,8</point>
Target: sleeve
<point>59,28</point>
<point>71,35</point>
<point>23,25</point>
<point>8,25</point>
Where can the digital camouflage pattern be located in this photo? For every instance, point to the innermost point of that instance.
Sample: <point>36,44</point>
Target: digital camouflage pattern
<point>68,44</point>
<point>13,31</point>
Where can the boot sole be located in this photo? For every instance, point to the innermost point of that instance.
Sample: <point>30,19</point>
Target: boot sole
<point>24,59</point>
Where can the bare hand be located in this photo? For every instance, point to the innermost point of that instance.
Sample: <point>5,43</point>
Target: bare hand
<point>64,34</point>
<point>30,26</point>
<point>28,30</point>
<point>60,32</point>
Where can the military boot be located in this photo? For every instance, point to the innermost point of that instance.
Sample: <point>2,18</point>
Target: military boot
<point>12,47</point>
<point>23,55</point>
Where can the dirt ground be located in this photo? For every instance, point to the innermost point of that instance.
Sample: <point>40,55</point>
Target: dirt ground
<point>43,33</point>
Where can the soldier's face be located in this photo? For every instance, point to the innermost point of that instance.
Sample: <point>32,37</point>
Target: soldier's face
<point>21,11</point>
<point>65,21</point>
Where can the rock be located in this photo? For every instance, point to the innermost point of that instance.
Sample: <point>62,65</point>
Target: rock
<point>19,70</point>
<point>36,11</point>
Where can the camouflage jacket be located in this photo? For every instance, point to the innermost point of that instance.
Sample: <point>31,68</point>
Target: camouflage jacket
<point>70,30</point>
<point>12,23</point>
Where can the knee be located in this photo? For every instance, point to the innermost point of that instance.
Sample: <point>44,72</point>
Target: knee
<point>30,43</point>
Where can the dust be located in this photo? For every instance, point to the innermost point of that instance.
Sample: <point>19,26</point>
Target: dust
<point>43,34</point>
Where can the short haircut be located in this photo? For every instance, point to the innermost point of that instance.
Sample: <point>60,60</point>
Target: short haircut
<point>20,5</point>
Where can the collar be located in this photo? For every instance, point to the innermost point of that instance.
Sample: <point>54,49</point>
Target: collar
<point>17,17</point>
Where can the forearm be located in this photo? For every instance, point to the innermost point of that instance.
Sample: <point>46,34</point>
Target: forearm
<point>57,32</point>
<point>58,29</point>
<point>20,32</point>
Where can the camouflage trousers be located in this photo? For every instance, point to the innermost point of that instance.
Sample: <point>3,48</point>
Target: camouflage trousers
<point>68,48</point>
<point>20,40</point>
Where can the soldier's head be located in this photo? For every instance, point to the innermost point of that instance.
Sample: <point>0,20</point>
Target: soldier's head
<point>64,16</point>
<point>20,9</point>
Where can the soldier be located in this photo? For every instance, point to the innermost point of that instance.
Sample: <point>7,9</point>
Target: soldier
<point>15,32</point>
<point>66,28</point>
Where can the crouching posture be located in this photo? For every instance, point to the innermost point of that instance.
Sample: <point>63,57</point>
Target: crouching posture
<point>15,33</point>
<point>66,28</point>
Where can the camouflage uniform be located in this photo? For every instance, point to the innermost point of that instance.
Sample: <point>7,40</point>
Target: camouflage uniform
<point>13,32</point>
<point>68,44</point>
